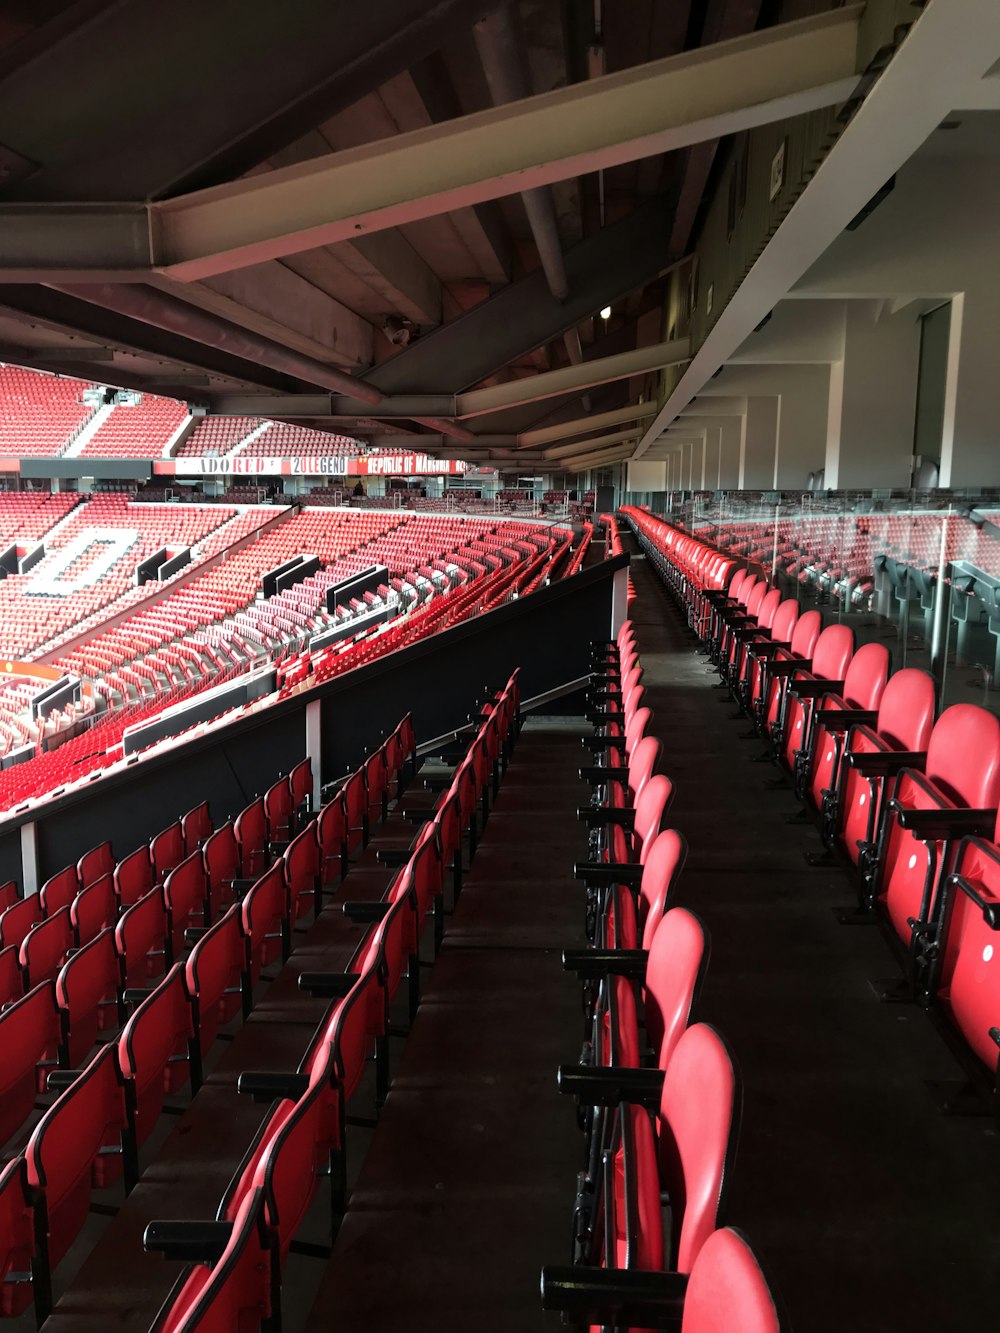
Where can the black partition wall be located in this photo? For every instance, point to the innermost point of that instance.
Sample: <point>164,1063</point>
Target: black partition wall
<point>440,680</point>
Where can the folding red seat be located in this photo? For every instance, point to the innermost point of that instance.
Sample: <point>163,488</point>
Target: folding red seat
<point>449,821</point>
<point>331,833</point>
<point>630,918</point>
<point>17,1242</point>
<point>215,982</point>
<point>776,668</point>
<point>300,780</point>
<point>874,755</point>
<point>818,759</point>
<point>87,996</point>
<point>11,980</point>
<point>167,851</point>
<point>622,784</point>
<point>278,811</point>
<point>141,940</point>
<point>301,862</point>
<point>44,948</point>
<point>377,786</point>
<point>93,910</point>
<point>754,621</point>
<point>8,895</point>
<point>427,872</point>
<point>760,646</point>
<point>80,1142</point>
<point>94,864</point>
<point>956,794</point>
<point>196,826</point>
<point>726,1293</point>
<point>355,796</point>
<point>18,919</point>
<point>133,877</point>
<point>154,1050</point>
<point>825,674</point>
<point>250,829</point>
<point>265,921</point>
<point>59,891</point>
<point>29,1039</point>
<point>220,855</point>
<point>185,897</point>
<point>231,1287</point>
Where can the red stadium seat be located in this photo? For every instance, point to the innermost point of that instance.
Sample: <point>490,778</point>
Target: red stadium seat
<point>59,891</point>
<point>94,909</point>
<point>18,920</point>
<point>99,861</point>
<point>87,996</point>
<point>214,974</point>
<point>17,1242</point>
<point>196,827</point>
<point>134,876</point>
<point>154,1050</point>
<point>266,921</point>
<point>185,897</point>
<point>167,851</point>
<point>141,940</point>
<point>45,947</point>
<point>29,1039</point>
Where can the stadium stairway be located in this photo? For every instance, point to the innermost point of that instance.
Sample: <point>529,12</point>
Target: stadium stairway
<point>845,1156</point>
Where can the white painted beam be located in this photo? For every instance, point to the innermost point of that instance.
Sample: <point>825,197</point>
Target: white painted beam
<point>783,71</point>
<point>942,60</point>
<point>596,421</point>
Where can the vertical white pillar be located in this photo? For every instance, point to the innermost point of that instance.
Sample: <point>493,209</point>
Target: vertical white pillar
<point>314,749</point>
<point>29,859</point>
<point>619,601</point>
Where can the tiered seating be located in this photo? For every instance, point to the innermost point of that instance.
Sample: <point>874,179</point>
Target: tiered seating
<point>217,435</point>
<point>907,803</point>
<point>662,1130</point>
<point>109,537</point>
<point>27,515</point>
<point>42,414</point>
<point>140,430</point>
<point>283,440</point>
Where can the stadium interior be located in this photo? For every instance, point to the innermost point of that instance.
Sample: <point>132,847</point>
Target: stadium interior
<point>499,666</point>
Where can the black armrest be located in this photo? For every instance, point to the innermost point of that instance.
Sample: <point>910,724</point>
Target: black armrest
<point>190,1242</point>
<point>393,857</point>
<point>615,1296</point>
<point>749,632</point>
<point>595,816</point>
<point>604,719</point>
<point>760,649</point>
<point>611,1084</point>
<point>609,872</point>
<point>419,816</point>
<point>841,719</point>
<point>241,887</point>
<point>814,689</point>
<point>790,667</point>
<point>61,1079</point>
<point>885,763</point>
<point>438,781</point>
<point>194,933</point>
<point>603,773</point>
<point>587,963</point>
<point>136,994</point>
<point>989,909</point>
<point>603,697</point>
<point>327,985</point>
<point>597,743</point>
<point>364,913</point>
<point>936,825</point>
<point>265,1086</point>
<point>605,678</point>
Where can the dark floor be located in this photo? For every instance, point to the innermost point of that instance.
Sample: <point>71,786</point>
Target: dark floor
<point>467,1188</point>
<point>871,1210</point>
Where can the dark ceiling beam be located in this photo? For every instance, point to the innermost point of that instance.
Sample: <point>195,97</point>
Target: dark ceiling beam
<point>723,19</point>
<point>526,315</point>
<point>223,85</point>
<point>174,317</point>
<point>68,316</point>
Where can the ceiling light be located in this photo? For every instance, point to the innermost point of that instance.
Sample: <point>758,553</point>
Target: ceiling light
<point>606,312</point>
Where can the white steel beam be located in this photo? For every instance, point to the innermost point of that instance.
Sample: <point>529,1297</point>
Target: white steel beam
<point>941,64</point>
<point>783,71</point>
<point>567,429</point>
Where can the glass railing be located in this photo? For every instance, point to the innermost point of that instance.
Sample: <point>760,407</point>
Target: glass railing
<point>919,571</point>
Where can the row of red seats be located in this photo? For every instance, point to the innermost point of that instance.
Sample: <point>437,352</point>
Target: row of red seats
<point>234,1280</point>
<point>907,803</point>
<point>211,889</point>
<point>663,1131</point>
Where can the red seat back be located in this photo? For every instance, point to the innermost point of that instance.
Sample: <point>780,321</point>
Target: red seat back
<point>95,863</point>
<point>59,891</point>
<point>133,876</point>
<point>153,1049</point>
<point>699,1109</point>
<point>727,1291</point>
<point>251,836</point>
<point>94,909</point>
<point>866,676</point>
<point>196,826</point>
<point>29,1037</point>
<point>331,832</point>
<point>235,1293</point>
<point>278,810</point>
<point>18,920</point>
<point>17,1243</point>
<point>301,782</point>
<point>11,980</point>
<point>675,967</point>
<point>185,894</point>
<point>660,874</point>
<point>427,870</point>
<point>356,809</point>
<point>214,973</point>
<point>44,948</point>
<point>302,865</point>
<point>68,1150</point>
<point>167,851</point>
<point>221,858</point>
<point>264,916</point>
<point>87,992</point>
<point>141,938</point>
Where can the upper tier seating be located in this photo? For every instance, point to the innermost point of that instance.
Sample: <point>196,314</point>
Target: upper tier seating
<point>217,436</point>
<point>139,431</point>
<point>282,440</point>
<point>42,414</point>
